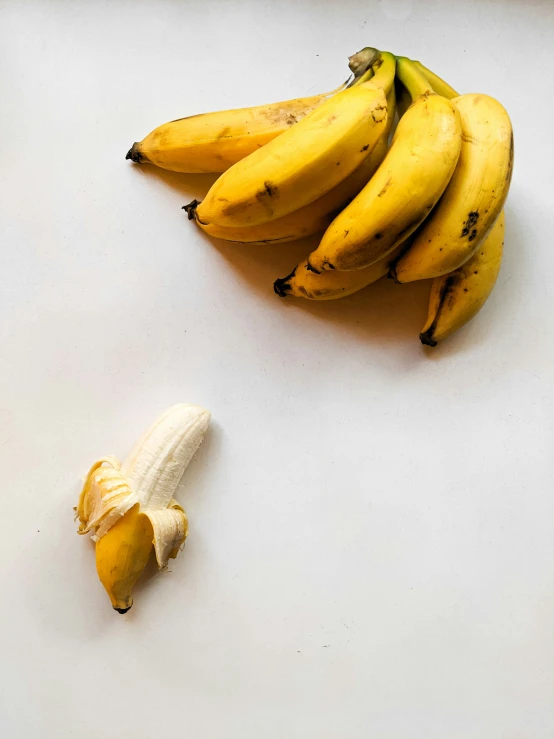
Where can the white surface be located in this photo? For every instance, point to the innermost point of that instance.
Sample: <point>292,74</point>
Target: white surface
<point>372,525</point>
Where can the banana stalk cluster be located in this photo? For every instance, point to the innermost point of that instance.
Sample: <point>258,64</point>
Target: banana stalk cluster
<point>422,201</point>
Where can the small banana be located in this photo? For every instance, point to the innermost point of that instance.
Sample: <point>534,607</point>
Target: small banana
<point>407,185</point>
<point>302,164</point>
<point>130,508</point>
<point>457,297</point>
<point>304,283</point>
<point>213,142</point>
<point>474,197</point>
<point>314,217</point>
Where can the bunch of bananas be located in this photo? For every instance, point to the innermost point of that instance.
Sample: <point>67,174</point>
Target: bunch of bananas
<point>429,205</point>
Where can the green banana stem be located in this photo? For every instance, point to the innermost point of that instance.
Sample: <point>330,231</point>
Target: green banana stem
<point>412,79</point>
<point>439,85</point>
<point>385,69</point>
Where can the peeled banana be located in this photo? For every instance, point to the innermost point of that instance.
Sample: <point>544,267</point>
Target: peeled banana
<point>405,188</point>
<point>131,510</point>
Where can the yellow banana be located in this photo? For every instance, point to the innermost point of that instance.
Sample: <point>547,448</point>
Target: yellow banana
<point>407,185</point>
<point>457,297</point>
<point>304,283</point>
<point>213,142</point>
<point>131,508</point>
<point>314,217</point>
<point>121,556</point>
<point>474,197</point>
<point>302,164</point>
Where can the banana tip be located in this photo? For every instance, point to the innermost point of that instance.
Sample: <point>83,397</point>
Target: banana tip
<point>281,287</point>
<point>427,339</point>
<point>134,154</point>
<point>190,209</point>
<point>123,610</point>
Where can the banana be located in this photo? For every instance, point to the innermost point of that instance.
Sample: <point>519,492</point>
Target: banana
<point>407,185</point>
<point>302,164</point>
<point>130,508</point>
<point>474,197</point>
<point>437,83</point>
<point>314,217</point>
<point>121,556</point>
<point>304,283</point>
<point>457,297</point>
<point>213,142</point>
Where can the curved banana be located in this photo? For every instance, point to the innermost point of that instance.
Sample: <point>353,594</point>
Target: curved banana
<point>314,217</point>
<point>302,164</point>
<point>474,197</point>
<point>213,142</point>
<point>457,297</point>
<point>407,185</point>
<point>304,283</point>
<point>131,508</point>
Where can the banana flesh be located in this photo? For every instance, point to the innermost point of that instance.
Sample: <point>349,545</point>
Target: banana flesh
<point>302,164</point>
<point>474,197</point>
<point>130,508</point>
<point>457,297</point>
<point>403,191</point>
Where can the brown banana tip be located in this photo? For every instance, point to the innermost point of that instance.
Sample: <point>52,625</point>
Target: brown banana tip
<point>134,154</point>
<point>123,610</point>
<point>427,339</point>
<point>190,209</point>
<point>281,287</point>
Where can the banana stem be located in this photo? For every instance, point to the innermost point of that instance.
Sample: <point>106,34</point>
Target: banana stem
<point>439,85</point>
<point>363,60</point>
<point>412,79</point>
<point>365,77</point>
<point>385,69</point>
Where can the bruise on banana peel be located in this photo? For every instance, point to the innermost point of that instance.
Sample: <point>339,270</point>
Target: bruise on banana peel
<point>130,508</point>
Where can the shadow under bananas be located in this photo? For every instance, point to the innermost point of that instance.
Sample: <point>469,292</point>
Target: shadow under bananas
<point>188,185</point>
<point>381,312</point>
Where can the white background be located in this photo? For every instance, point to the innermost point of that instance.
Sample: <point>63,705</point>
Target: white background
<point>371,548</point>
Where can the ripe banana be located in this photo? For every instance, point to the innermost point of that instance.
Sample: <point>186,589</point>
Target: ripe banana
<point>213,142</point>
<point>407,185</point>
<point>474,197</point>
<point>131,508</point>
<point>302,164</point>
<point>304,283</point>
<point>457,297</point>
<point>314,217</point>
